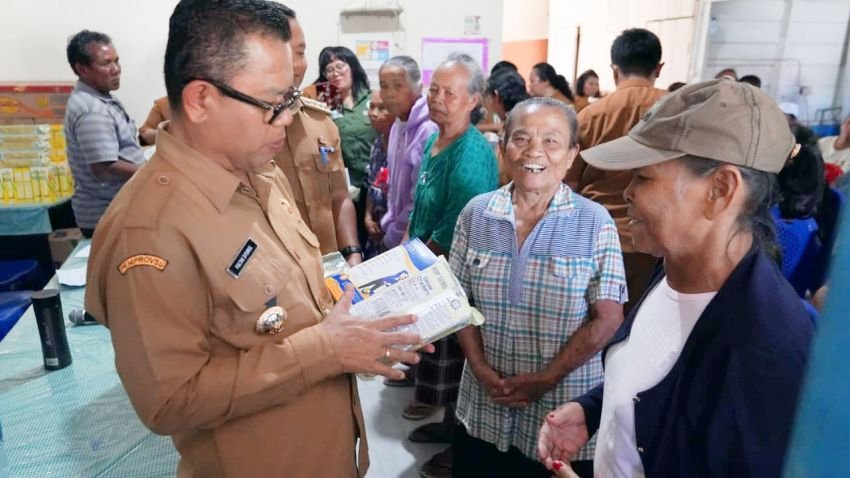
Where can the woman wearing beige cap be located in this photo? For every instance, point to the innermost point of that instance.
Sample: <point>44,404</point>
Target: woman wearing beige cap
<point>703,377</point>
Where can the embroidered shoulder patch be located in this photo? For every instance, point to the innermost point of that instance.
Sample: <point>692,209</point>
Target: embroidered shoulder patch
<point>142,260</point>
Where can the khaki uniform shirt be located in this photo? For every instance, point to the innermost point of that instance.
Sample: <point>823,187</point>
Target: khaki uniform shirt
<point>313,180</point>
<point>609,118</point>
<point>172,276</point>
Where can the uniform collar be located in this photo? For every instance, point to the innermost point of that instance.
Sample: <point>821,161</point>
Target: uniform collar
<point>500,205</point>
<point>364,96</point>
<point>215,182</point>
<point>635,82</point>
<point>85,88</point>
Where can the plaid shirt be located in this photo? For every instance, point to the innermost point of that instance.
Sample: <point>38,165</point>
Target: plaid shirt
<point>534,299</point>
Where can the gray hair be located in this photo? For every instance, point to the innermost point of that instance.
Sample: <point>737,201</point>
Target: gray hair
<point>755,217</point>
<point>411,69</point>
<point>476,74</point>
<point>523,106</point>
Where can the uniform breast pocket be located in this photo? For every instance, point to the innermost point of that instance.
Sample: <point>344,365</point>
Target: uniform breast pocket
<point>256,290</point>
<point>308,235</point>
<point>329,161</point>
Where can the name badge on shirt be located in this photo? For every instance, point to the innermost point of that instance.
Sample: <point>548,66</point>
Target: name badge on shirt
<point>242,258</point>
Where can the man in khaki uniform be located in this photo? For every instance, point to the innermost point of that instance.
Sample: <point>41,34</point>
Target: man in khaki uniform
<point>636,61</point>
<point>210,282</point>
<point>312,161</point>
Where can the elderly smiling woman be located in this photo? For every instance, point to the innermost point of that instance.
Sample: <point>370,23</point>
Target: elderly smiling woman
<point>545,268</point>
<point>703,377</point>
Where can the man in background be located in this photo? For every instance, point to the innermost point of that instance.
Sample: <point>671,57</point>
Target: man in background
<point>101,138</point>
<point>636,61</point>
<point>159,113</point>
<point>312,162</point>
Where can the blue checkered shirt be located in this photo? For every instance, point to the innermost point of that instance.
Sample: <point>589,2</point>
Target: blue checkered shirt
<point>534,299</point>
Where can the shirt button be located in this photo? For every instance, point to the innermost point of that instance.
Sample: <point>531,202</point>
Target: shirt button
<point>163,180</point>
<point>640,450</point>
<point>246,190</point>
<point>636,399</point>
<point>325,311</point>
<point>269,290</point>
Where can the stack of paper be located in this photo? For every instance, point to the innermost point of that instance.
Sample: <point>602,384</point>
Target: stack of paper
<point>408,279</point>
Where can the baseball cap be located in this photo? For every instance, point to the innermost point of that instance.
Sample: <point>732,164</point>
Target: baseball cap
<point>722,119</point>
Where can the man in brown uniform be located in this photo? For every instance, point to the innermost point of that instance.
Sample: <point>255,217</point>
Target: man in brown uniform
<point>312,161</point>
<point>636,61</point>
<point>159,113</point>
<point>210,282</point>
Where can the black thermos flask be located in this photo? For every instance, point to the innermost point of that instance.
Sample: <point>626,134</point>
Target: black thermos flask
<point>51,328</point>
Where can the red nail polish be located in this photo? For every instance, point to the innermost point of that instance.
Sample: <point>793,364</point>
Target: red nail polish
<point>557,465</point>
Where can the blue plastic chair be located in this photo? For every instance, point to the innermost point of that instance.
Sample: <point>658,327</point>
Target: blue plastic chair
<point>801,247</point>
<point>18,275</point>
<point>12,307</point>
<point>827,218</point>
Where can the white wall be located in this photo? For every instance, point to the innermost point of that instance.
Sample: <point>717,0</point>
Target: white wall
<point>602,21</point>
<point>35,33</point>
<point>788,43</point>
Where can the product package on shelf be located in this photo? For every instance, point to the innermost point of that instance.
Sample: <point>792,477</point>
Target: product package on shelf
<point>33,164</point>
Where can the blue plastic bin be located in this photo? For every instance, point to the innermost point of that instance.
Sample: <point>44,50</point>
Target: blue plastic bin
<point>12,307</point>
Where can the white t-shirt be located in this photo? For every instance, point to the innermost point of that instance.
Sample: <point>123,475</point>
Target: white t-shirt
<point>839,157</point>
<point>661,328</point>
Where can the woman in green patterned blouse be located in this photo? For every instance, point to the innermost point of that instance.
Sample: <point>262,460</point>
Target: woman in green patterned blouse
<point>459,164</point>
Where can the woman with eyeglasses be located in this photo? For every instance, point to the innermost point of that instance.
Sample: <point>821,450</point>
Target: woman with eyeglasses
<point>343,71</point>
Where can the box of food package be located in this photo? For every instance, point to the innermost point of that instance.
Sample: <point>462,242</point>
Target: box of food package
<point>62,242</point>
<point>41,184</point>
<point>22,103</point>
<point>7,183</point>
<point>23,185</point>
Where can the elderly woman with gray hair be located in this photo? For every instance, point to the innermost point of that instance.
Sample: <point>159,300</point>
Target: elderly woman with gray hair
<point>401,90</point>
<point>703,377</point>
<point>544,266</point>
<point>458,164</point>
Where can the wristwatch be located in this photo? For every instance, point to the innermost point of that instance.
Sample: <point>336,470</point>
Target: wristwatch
<point>348,250</point>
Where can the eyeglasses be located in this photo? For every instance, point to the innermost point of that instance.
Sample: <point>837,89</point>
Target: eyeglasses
<point>290,99</point>
<point>339,67</point>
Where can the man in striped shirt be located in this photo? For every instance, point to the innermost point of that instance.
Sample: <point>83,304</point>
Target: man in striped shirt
<point>101,138</point>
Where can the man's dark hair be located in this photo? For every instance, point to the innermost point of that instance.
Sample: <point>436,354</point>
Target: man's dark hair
<point>752,80</point>
<point>636,52</point>
<point>502,66</point>
<point>510,86</point>
<point>675,86</point>
<point>206,39</point>
<point>801,184</point>
<point>359,79</point>
<point>78,47</point>
<point>290,13</point>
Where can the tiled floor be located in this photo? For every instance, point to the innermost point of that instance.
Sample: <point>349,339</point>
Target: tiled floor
<point>391,454</point>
